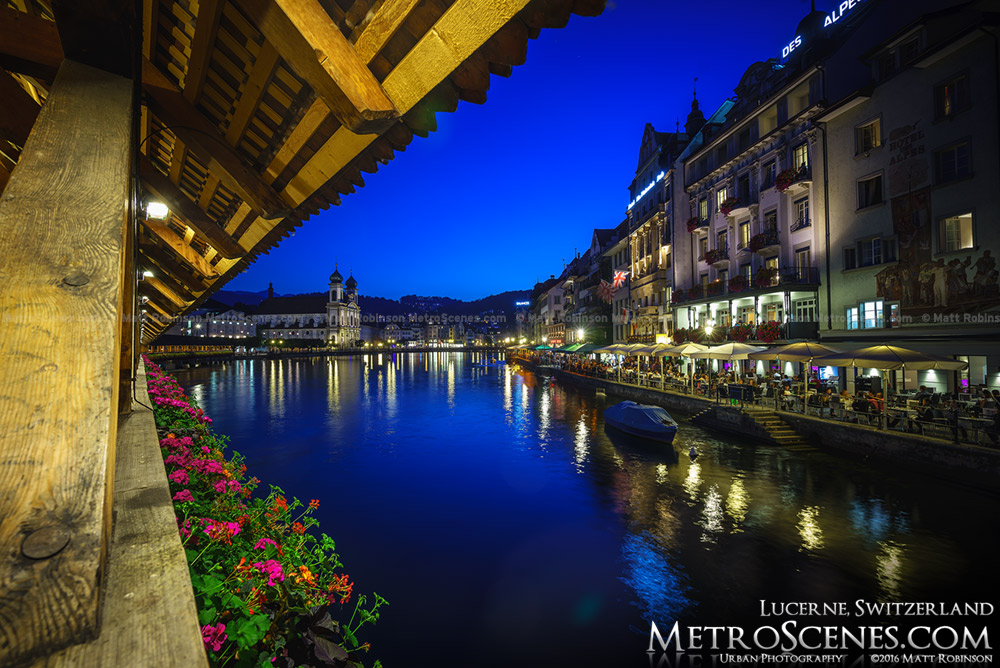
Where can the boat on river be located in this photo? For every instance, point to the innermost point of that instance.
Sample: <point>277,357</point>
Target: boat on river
<point>642,420</point>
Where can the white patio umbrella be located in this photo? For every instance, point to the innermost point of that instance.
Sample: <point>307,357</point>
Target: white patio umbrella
<point>803,351</point>
<point>615,349</point>
<point>687,350</point>
<point>888,358</point>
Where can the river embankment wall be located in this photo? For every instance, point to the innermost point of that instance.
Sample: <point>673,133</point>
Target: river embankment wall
<point>976,465</point>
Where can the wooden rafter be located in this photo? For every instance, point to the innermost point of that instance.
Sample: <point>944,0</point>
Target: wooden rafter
<point>206,27</point>
<point>311,42</point>
<point>178,277</point>
<point>387,20</point>
<point>181,247</point>
<point>201,136</point>
<point>28,44</point>
<point>188,211</point>
<point>165,290</point>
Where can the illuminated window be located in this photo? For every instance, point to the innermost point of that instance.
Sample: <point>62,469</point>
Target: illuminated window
<point>871,315</point>
<point>951,97</point>
<point>868,136</point>
<point>720,197</point>
<point>955,233</point>
<point>800,156</point>
<point>952,163</point>
<point>703,209</point>
<point>744,234</point>
<point>852,318</point>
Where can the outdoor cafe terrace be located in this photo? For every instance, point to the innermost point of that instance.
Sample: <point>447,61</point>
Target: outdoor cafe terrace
<point>757,377</point>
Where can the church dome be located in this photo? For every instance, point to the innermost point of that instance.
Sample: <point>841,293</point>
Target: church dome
<point>335,277</point>
<point>351,283</point>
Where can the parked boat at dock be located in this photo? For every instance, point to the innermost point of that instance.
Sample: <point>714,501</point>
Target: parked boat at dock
<point>642,420</point>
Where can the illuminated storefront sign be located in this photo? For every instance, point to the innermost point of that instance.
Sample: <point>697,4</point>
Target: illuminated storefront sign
<point>845,8</point>
<point>522,303</point>
<point>659,177</point>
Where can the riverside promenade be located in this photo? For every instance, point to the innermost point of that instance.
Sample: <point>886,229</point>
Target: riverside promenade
<point>971,464</point>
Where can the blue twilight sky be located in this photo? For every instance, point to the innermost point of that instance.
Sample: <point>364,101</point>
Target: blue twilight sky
<point>502,192</point>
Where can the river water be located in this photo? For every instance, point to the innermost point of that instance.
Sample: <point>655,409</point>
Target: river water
<point>506,527</point>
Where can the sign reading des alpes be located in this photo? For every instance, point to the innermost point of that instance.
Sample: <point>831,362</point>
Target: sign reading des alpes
<point>833,17</point>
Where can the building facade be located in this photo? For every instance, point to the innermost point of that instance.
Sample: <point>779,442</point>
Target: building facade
<point>333,319</point>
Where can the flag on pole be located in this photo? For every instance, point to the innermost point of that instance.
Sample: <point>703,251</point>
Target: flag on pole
<point>619,279</point>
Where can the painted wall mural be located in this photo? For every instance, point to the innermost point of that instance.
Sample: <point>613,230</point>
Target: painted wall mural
<point>922,283</point>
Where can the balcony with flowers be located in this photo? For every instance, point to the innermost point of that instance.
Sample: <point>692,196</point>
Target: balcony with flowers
<point>765,281</point>
<point>696,224</point>
<point>717,257</point>
<point>765,244</point>
<point>793,181</point>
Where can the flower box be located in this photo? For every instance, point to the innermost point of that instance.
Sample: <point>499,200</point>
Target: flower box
<point>728,205</point>
<point>785,178</point>
<point>769,332</point>
<point>740,333</point>
<point>715,255</point>
<point>737,284</point>
<point>716,288</point>
<point>765,277</point>
<point>694,224</point>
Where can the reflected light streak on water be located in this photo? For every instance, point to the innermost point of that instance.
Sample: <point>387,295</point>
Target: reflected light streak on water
<point>520,510</point>
<point>809,530</point>
<point>889,570</point>
<point>737,503</point>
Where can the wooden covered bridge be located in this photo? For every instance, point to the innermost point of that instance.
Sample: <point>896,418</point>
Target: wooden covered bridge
<point>244,118</point>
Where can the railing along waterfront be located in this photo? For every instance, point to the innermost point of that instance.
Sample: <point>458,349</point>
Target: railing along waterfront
<point>962,422</point>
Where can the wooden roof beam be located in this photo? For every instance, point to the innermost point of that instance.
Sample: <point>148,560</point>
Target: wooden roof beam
<point>29,45</point>
<point>203,137</point>
<point>188,211</point>
<point>185,280</point>
<point>313,45</point>
<point>387,20</point>
<point>179,246</point>
<point>165,290</point>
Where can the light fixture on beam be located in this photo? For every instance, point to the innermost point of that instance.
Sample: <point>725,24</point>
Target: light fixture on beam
<point>156,211</point>
<point>147,273</point>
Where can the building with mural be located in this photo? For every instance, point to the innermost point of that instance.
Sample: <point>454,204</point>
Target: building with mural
<point>914,195</point>
<point>847,193</point>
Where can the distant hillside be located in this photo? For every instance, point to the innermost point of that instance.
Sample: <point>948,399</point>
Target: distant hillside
<point>230,297</point>
<point>502,303</point>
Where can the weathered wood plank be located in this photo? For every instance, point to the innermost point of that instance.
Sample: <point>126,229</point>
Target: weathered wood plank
<point>29,45</point>
<point>310,41</point>
<point>148,617</point>
<point>62,221</point>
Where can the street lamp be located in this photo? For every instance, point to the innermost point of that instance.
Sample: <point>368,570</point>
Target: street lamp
<point>579,335</point>
<point>709,326</point>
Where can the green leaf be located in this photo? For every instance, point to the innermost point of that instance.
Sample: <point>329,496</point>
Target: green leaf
<point>206,615</point>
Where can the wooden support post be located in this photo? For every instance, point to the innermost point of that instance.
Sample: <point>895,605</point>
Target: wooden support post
<point>62,221</point>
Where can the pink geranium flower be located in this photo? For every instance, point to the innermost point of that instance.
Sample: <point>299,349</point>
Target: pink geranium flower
<point>183,495</point>
<point>214,636</point>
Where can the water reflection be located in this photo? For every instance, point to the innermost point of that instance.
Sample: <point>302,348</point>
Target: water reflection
<point>889,571</point>
<point>737,503</point>
<point>476,467</point>
<point>808,526</point>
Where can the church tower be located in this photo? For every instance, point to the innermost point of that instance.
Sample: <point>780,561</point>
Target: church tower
<point>336,286</point>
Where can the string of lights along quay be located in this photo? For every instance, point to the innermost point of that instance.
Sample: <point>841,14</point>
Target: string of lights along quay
<point>542,537</point>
